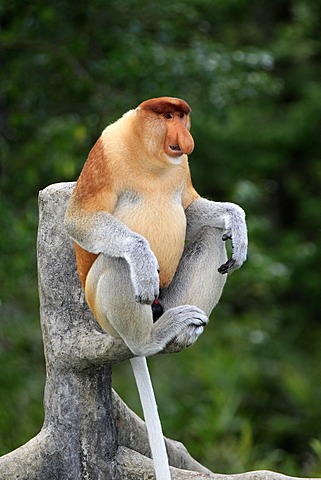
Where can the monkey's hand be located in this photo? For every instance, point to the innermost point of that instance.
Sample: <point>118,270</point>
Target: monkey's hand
<point>144,270</point>
<point>236,231</point>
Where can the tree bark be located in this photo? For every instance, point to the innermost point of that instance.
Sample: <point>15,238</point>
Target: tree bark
<point>89,432</point>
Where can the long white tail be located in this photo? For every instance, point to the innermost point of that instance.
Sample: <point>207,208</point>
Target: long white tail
<point>154,428</point>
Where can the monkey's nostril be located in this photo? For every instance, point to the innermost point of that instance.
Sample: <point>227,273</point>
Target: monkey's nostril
<point>174,147</point>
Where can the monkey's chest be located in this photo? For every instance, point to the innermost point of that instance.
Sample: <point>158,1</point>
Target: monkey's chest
<point>163,223</point>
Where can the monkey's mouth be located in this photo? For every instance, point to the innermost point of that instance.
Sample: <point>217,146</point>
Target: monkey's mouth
<point>176,149</point>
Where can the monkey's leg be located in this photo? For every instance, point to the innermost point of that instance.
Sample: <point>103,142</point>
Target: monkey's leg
<point>111,297</point>
<point>197,281</point>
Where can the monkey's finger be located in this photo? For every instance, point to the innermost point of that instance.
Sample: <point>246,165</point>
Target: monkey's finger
<point>226,267</point>
<point>227,236</point>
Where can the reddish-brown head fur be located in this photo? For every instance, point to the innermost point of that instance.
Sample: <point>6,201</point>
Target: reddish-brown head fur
<point>161,105</point>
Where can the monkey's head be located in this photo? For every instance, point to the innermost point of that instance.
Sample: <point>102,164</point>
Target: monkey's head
<point>164,124</point>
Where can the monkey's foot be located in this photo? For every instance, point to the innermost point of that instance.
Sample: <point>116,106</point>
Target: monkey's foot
<point>191,321</point>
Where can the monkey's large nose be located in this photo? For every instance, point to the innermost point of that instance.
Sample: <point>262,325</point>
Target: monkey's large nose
<point>185,141</point>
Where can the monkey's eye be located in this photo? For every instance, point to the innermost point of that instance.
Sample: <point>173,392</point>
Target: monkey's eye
<point>181,115</point>
<point>168,115</point>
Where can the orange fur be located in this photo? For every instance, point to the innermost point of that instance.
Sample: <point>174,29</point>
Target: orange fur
<point>138,171</point>
<point>95,179</point>
<point>84,261</point>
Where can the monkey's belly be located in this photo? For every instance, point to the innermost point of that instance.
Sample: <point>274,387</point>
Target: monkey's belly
<point>164,226</point>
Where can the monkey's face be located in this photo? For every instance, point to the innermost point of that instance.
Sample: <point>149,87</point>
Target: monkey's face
<point>165,124</point>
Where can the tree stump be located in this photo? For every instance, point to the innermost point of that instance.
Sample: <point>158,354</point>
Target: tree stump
<point>89,433</point>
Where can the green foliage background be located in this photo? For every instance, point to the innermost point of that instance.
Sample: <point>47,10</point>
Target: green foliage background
<point>248,395</point>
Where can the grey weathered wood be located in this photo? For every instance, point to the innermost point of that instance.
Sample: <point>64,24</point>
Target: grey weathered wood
<point>89,432</point>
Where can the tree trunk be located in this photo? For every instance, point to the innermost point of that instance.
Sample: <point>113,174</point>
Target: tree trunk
<point>88,432</point>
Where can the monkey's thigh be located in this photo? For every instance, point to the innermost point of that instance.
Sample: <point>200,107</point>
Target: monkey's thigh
<point>197,281</point>
<point>115,307</point>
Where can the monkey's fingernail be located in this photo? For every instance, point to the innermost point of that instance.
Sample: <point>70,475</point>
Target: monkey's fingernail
<point>226,266</point>
<point>222,269</point>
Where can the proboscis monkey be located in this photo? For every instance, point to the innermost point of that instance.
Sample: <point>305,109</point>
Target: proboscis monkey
<point>143,233</point>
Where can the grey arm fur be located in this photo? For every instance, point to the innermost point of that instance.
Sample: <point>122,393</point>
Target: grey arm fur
<point>224,215</point>
<point>101,232</point>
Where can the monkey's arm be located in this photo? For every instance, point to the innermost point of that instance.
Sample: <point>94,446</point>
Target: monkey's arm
<point>100,232</point>
<point>227,216</point>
